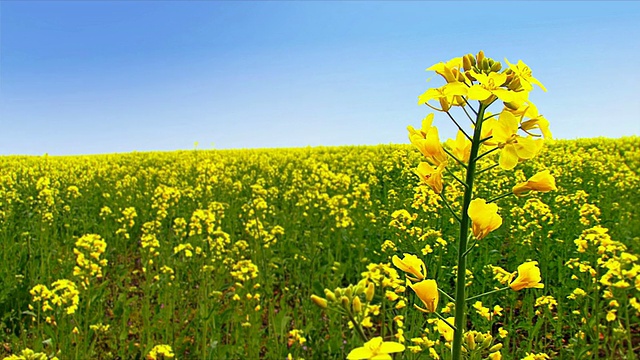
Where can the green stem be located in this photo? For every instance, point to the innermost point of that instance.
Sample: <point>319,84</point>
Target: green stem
<point>449,207</point>
<point>458,125</point>
<point>456,159</point>
<point>470,247</point>
<point>487,153</point>
<point>628,332</point>
<point>486,169</point>
<point>447,295</point>
<point>499,197</point>
<point>467,113</point>
<point>356,325</point>
<point>488,292</point>
<point>472,109</point>
<point>445,321</point>
<point>456,348</point>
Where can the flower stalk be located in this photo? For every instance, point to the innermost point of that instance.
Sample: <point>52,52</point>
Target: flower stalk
<point>460,294</point>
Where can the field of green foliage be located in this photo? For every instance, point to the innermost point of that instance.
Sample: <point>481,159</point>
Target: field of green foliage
<point>216,254</point>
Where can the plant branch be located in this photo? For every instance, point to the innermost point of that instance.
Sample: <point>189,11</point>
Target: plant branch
<point>458,125</point>
<point>488,292</point>
<point>487,169</point>
<point>449,207</point>
<point>499,197</point>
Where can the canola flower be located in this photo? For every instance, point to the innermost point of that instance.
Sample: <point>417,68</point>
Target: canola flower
<point>484,217</point>
<point>427,291</point>
<point>541,182</point>
<point>28,354</point>
<point>528,277</point>
<point>444,329</point>
<point>411,264</point>
<point>376,349</point>
<point>160,352</point>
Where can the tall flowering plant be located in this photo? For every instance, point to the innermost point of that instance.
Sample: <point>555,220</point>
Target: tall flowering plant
<point>473,83</point>
<point>516,133</point>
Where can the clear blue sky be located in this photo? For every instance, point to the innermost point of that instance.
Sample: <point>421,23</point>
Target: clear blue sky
<point>83,77</point>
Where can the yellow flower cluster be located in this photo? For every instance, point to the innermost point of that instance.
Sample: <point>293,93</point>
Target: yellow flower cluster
<point>28,354</point>
<point>63,293</point>
<point>89,248</point>
<point>160,352</point>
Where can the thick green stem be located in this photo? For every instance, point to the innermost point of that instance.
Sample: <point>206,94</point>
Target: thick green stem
<point>459,323</point>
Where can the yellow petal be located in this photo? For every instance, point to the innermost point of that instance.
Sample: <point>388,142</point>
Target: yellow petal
<point>477,92</point>
<point>508,157</point>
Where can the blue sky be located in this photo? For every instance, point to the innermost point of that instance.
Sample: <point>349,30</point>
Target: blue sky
<point>86,77</point>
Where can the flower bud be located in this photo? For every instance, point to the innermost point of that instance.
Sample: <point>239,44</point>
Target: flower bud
<point>330,295</point>
<point>496,66</point>
<point>349,292</point>
<point>369,292</point>
<point>488,339</point>
<point>484,64</point>
<point>480,57</point>
<point>471,341</point>
<point>472,59</point>
<point>466,62</point>
<point>357,305</point>
<point>321,302</point>
<point>345,302</point>
<point>495,348</point>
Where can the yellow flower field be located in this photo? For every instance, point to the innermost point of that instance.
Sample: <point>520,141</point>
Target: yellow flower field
<point>216,254</point>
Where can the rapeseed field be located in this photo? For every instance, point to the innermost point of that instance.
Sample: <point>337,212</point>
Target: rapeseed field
<point>215,254</point>
<point>502,244</point>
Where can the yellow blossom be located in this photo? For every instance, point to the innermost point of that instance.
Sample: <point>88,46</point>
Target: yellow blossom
<point>431,176</point>
<point>427,141</point>
<point>542,181</point>
<point>484,217</point>
<point>514,148</point>
<point>427,291</point>
<point>445,330</point>
<point>524,75</point>
<point>411,264</point>
<point>460,147</point>
<point>160,352</point>
<point>528,277</point>
<point>376,349</point>
<point>491,85</point>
